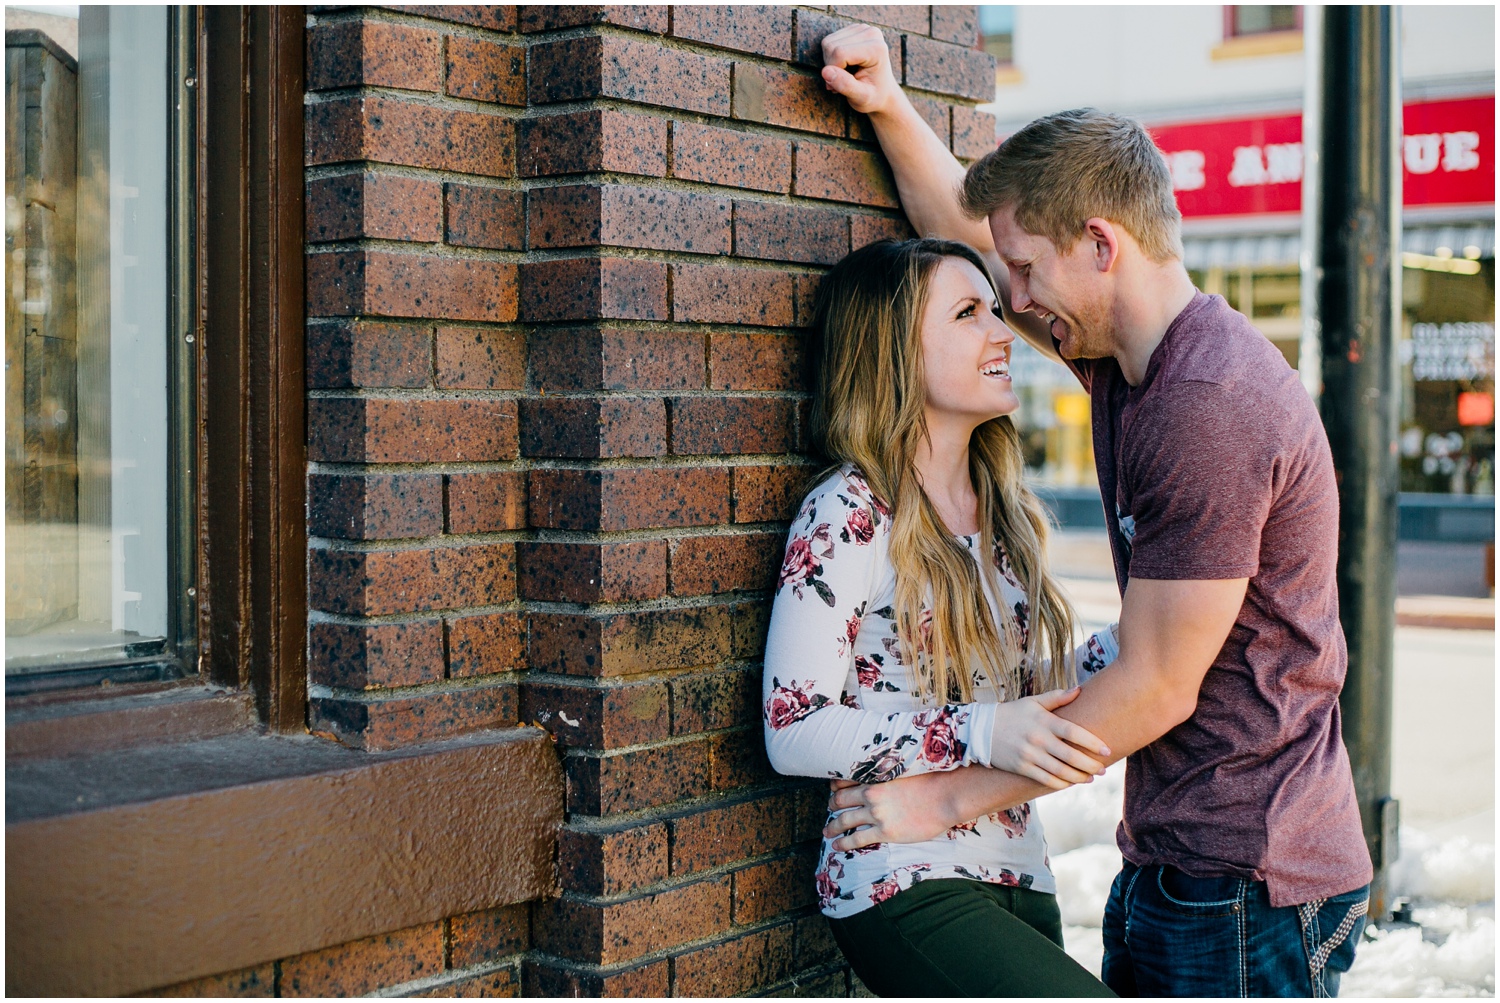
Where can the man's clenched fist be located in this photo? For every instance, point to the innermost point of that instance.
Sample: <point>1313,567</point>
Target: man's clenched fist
<point>857,64</point>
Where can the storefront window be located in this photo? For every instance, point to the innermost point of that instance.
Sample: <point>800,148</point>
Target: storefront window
<point>997,31</point>
<point>97,338</point>
<point>1248,19</point>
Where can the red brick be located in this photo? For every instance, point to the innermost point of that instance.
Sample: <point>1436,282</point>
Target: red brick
<point>794,100</point>
<point>722,835</point>
<point>620,499</point>
<point>608,934</point>
<point>598,717</point>
<point>727,295</point>
<point>368,354</point>
<point>935,113</point>
<point>391,131</point>
<point>735,966</point>
<point>865,229</point>
<point>546,977</point>
<point>501,983</point>
<point>956,23</point>
<point>712,700</point>
<point>381,206</point>
<point>764,29</point>
<point>365,656</point>
<point>410,285</point>
<point>973,132</point>
<point>842,175</point>
<point>612,861</point>
<point>632,781</point>
<point>643,17</point>
<point>371,583</point>
<point>496,17</point>
<point>615,66</point>
<point>374,506</point>
<point>378,721</point>
<point>594,427</point>
<point>805,297</point>
<point>484,937</point>
<point>373,54</point>
<point>361,966</point>
<point>258,982</point>
<point>748,624</point>
<point>619,644</point>
<point>488,502</point>
<point>812,27</point>
<point>775,887</point>
<point>704,564</point>
<point>486,71</point>
<point>739,759</point>
<point>729,157</point>
<point>627,216</point>
<point>718,426</point>
<point>617,141</point>
<point>480,358</point>
<point>477,216</point>
<point>907,17</point>
<point>594,289</point>
<point>377,430</point>
<point>778,232</point>
<point>592,572</point>
<point>814,942</point>
<point>610,358</point>
<point>749,360</point>
<point>949,69</point>
<point>768,493</point>
<point>487,644</point>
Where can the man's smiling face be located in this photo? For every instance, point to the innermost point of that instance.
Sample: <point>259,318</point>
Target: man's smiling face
<point>1066,289</point>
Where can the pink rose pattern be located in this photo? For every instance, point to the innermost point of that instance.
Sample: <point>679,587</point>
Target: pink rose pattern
<point>933,739</point>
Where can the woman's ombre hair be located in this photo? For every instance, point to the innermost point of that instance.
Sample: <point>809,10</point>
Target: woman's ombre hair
<point>868,410</point>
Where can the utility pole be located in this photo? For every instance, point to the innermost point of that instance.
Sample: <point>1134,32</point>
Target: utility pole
<point>1355,223</point>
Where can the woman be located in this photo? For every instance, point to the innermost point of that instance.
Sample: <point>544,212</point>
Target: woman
<point>913,620</point>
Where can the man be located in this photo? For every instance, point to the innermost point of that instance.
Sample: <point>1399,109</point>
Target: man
<point>1245,870</point>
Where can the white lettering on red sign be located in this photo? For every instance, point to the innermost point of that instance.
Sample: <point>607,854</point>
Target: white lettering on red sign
<point>1456,151</point>
<point>1187,170</point>
<point>1272,164</point>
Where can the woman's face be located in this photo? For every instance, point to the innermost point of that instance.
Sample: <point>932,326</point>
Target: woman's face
<point>965,348</point>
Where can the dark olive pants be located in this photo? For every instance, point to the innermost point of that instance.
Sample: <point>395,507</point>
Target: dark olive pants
<point>954,937</point>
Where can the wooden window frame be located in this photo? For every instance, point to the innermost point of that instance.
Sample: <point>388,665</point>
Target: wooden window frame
<point>1230,33</point>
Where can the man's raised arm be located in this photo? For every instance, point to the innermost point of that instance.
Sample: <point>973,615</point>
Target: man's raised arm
<point>1170,633</point>
<point>857,65</point>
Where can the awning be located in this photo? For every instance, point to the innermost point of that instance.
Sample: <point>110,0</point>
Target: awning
<point>1249,250</point>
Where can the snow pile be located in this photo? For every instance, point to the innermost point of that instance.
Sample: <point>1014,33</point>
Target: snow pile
<point>1450,883</point>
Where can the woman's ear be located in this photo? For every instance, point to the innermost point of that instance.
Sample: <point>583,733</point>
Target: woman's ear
<point>1105,238</point>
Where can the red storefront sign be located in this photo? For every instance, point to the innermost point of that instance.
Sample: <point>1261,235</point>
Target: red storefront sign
<point>1250,166</point>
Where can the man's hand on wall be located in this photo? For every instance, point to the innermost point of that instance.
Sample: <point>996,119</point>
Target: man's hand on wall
<point>857,65</point>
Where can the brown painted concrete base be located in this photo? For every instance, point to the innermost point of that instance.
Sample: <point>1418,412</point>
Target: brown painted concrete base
<point>145,867</point>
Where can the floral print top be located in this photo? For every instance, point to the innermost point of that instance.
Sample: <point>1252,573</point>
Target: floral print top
<point>838,700</point>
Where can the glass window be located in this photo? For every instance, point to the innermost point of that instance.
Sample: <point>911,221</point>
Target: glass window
<point>997,32</point>
<point>98,349</point>
<point>1241,20</point>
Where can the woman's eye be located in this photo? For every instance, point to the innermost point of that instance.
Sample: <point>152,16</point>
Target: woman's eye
<point>967,311</point>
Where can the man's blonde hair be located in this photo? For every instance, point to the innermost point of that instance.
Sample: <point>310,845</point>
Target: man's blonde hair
<point>1062,170</point>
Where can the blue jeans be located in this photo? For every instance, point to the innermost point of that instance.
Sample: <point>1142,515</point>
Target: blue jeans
<point>1169,934</point>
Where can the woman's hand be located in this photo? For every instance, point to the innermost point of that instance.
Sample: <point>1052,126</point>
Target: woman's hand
<point>1031,741</point>
<point>905,810</point>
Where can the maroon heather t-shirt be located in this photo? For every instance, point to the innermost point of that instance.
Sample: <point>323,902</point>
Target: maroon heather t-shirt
<point>1216,467</point>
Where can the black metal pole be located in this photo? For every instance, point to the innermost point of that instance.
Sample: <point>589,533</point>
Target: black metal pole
<point>1358,288</point>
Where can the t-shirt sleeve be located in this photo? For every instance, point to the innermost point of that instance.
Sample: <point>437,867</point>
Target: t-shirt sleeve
<point>1199,465</point>
<point>822,594</point>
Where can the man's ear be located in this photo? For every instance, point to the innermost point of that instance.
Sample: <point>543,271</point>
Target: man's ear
<point>1105,241</point>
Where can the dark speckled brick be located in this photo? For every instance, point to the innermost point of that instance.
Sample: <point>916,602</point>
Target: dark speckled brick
<point>375,430</point>
<point>616,359</point>
<point>956,23</point>
<point>619,499</point>
<point>794,100</point>
<point>482,70</point>
<point>488,935</point>
<point>595,427</point>
<point>475,216</point>
<point>735,966</point>
<point>486,502</point>
<point>765,29</point>
<point>592,572</point>
<point>587,715</point>
<point>643,778</point>
<point>949,69</point>
<point>619,141</point>
<point>730,157</point>
<point>709,701</point>
<point>496,17</point>
<point>380,283</point>
<point>372,583</point>
<point>360,966</point>
<point>362,656</point>
<point>749,360</point>
<point>374,54</point>
<point>358,353</point>
<point>790,233</point>
<point>389,721</point>
<point>626,216</point>
<point>866,229</point>
<point>723,834</point>
<point>973,132</point>
<point>729,295</point>
<point>705,564</point>
<point>768,493</point>
<point>480,358</point>
<point>391,131</point>
<point>906,17</point>
<point>594,288</point>
<point>486,644</point>
<point>374,506</point>
<point>623,644</point>
<point>613,861</point>
<point>383,206</point>
<point>643,17</point>
<point>619,931</point>
<point>614,66</point>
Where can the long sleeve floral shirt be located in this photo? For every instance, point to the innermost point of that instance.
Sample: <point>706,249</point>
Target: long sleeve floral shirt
<point>839,701</point>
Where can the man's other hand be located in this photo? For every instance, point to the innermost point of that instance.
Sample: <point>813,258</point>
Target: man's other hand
<point>857,65</point>
<point>905,810</point>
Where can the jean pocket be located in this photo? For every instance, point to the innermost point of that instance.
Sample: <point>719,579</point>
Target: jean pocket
<point>1217,896</point>
<point>1330,934</point>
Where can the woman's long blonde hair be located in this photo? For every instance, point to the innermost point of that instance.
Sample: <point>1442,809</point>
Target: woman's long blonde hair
<point>868,411</point>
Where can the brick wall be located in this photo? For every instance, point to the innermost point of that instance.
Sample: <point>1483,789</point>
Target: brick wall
<point>558,262</point>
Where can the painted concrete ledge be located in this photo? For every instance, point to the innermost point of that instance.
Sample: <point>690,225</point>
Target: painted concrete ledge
<point>148,866</point>
<point>1453,612</point>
